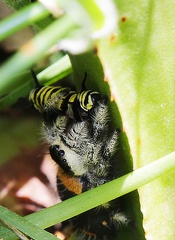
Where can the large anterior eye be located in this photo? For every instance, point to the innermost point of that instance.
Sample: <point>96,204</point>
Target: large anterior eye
<point>57,155</point>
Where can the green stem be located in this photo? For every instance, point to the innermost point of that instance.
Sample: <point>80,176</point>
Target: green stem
<point>22,19</point>
<point>57,70</point>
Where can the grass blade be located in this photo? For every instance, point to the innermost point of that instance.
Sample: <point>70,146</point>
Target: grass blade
<point>24,226</point>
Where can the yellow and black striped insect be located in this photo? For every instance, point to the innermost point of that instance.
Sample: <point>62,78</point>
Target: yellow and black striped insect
<point>76,105</point>
<point>83,144</point>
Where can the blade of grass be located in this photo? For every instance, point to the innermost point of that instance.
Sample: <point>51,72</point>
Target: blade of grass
<point>22,19</point>
<point>33,51</point>
<point>56,71</point>
<point>15,230</point>
<point>24,226</point>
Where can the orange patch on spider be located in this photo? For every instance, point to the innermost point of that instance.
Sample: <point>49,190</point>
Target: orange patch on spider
<point>71,183</point>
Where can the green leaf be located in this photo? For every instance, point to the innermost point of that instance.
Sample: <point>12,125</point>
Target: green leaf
<point>139,64</point>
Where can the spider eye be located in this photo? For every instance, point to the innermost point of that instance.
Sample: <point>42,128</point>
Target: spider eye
<point>61,153</point>
<point>57,155</point>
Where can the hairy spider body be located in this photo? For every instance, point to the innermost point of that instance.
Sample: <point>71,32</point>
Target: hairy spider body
<point>76,127</point>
